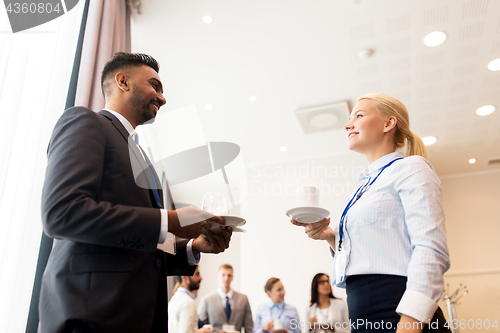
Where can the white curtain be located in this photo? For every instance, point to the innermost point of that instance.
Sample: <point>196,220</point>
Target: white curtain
<point>35,68</point>
<point>107,31</point>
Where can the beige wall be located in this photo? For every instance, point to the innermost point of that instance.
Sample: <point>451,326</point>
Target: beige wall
<point>471,203</point>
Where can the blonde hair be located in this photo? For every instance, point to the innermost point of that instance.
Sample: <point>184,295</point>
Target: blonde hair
<point>389,106</point>
<point>226,266</point>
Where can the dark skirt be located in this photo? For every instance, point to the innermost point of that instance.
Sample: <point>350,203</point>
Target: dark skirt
<point>372,301</point>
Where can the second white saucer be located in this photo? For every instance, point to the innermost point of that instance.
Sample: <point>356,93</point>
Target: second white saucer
<point>307,214</point>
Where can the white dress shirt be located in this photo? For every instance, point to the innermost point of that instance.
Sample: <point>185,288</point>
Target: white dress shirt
<point>182,316</point>
<point>163,212</point>
<point>223,295</point>
<point>336,313</point>
<point>397,227</point>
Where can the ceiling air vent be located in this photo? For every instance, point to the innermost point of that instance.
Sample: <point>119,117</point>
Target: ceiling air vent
<point>323,118</point>
<point>494,160</point>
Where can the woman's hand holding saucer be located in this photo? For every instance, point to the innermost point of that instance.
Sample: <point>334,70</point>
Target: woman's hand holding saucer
<point>319,231</point>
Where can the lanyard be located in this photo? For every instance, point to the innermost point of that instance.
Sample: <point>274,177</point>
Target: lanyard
<point>323,311</point>
<point>360,191</point>
<point>280,313</point>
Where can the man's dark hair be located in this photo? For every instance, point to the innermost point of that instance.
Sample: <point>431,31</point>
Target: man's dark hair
<point>123,60</point>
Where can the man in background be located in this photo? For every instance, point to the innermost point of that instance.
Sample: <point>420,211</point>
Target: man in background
<point>226,306</point>
<point>182,317</point>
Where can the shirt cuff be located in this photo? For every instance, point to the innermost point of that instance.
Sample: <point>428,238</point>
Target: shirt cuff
<point>193,259</point>
<point>417,305</point>
<point>164,226</point>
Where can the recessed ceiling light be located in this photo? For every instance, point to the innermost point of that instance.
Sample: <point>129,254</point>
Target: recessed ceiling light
<point>494,65</point>
<point>365,54</point>
<point>435,38</point>
<point>472,161</point>
<point>429,140</point>
<point>485,110</point>
<point>207,19</point>
<point>253,98</point>
<point>283,148</point>
<point>209,106</point>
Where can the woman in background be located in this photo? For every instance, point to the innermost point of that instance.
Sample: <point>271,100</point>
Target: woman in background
<point>326,313</point>
<point>275,315</point>
<point>390,245</point>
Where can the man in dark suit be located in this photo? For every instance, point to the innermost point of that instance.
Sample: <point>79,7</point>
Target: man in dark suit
<point>226,306</point>
<point>105,273</point>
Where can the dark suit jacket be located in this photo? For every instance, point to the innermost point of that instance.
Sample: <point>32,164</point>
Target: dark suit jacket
<point>211,311</point>
<point>104,269</point>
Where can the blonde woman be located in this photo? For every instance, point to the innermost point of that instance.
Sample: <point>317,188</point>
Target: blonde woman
<point>390,243</point>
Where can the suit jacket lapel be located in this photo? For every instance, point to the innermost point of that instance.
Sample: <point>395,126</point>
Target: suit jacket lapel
<point>217,305</point>
<point>235,301</point>
<point>137,155</point>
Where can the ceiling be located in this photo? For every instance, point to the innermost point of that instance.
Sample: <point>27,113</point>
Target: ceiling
<point>294,54</point>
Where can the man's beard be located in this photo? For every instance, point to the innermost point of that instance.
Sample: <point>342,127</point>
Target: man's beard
<point>142,108</point>
<point>193,286</point>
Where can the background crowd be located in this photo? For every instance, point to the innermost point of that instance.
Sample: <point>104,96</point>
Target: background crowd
<point>226,310</point>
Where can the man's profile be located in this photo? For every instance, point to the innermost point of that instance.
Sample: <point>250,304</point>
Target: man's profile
<point>105,273</point>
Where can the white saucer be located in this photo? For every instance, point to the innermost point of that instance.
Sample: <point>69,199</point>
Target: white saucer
<point>307,214</point>
<point>217,230</point>
<point>234,221</point>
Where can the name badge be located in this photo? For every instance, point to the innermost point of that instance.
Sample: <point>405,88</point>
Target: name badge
<point>340,266</point>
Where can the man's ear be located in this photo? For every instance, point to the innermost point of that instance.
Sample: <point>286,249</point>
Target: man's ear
<point>390,123</point>
<point>122,81</point>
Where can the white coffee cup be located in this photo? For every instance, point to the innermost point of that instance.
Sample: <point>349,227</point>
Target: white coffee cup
<point>228,328</point>
<point>277,324</point>
<point>211,327</point>
<point>307,196</point>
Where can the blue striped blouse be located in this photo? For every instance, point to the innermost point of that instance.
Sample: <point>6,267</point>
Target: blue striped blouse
<point>398,227</point>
